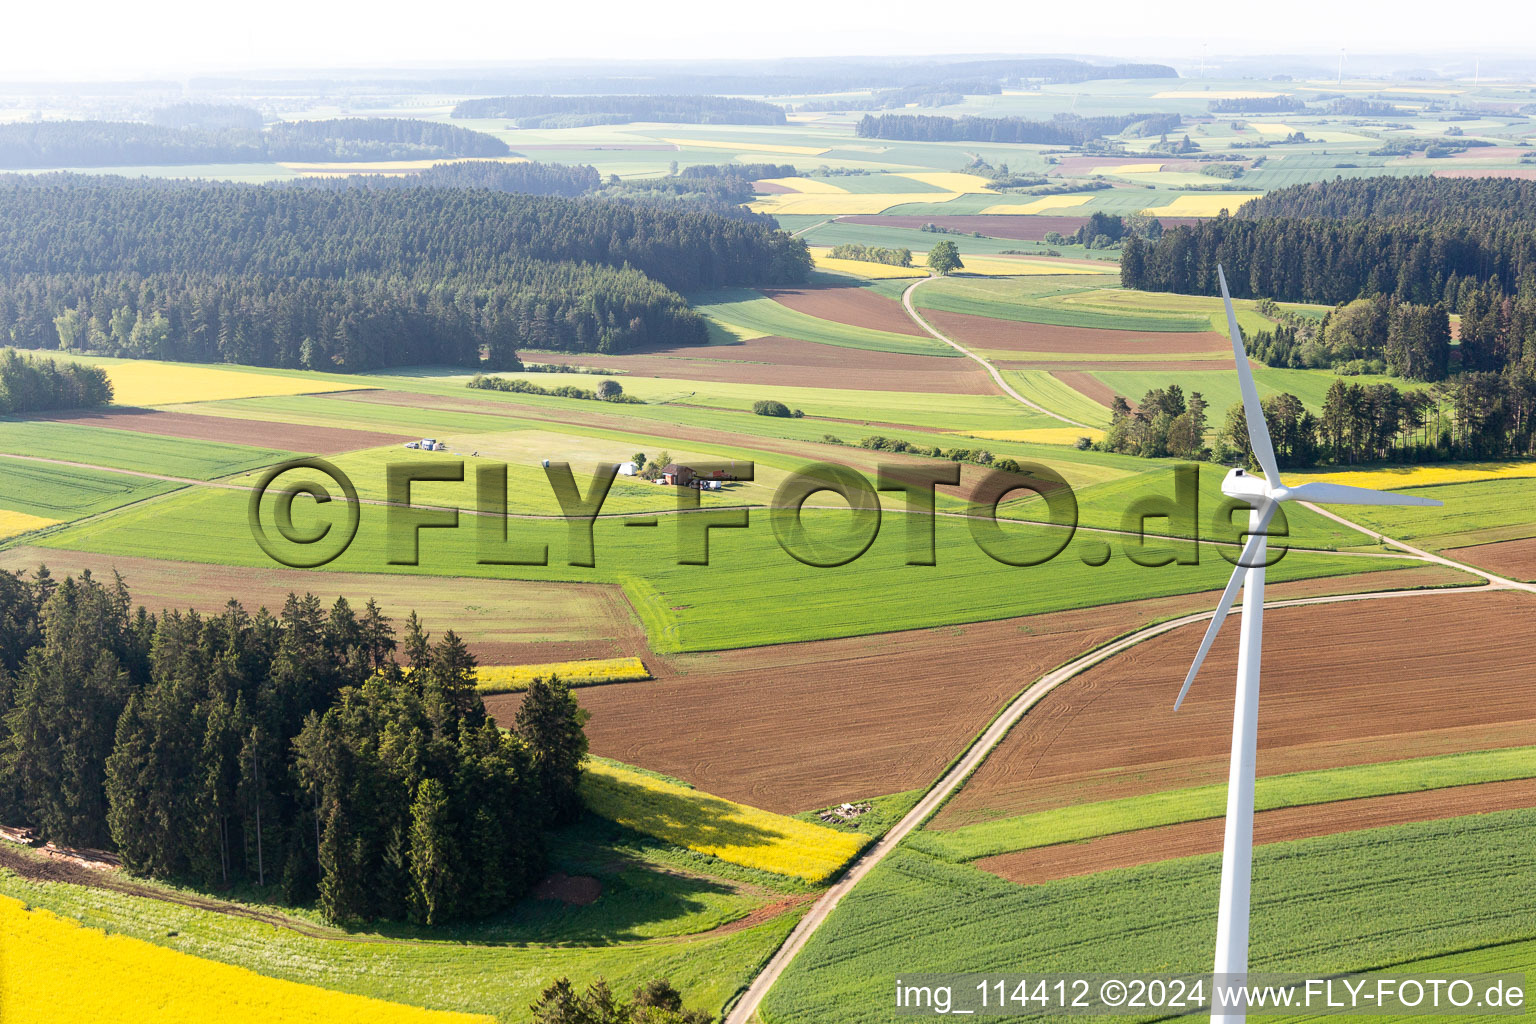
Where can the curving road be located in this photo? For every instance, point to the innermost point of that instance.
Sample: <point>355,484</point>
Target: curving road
<point>906,300</point>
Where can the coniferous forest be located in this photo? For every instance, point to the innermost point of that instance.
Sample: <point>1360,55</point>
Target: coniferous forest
<point>1061,130</point>
<point>109,143</point>
<point>311,749</point>
<point>358,278</point>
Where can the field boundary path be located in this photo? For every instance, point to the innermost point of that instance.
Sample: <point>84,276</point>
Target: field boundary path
<point>997,376</point>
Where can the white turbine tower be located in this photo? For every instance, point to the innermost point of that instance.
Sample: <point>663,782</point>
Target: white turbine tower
<point>1265,496</point>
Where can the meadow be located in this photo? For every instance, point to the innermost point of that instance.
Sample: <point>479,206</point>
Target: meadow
<point>1085,821</point>
<point>1354,901</point>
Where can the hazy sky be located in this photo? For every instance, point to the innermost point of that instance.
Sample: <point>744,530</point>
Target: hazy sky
<point>100,38</point>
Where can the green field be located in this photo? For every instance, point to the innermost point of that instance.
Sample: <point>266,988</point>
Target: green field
<point>67,492</point>
<point>1032,302</point>
<point>1085,821</point>
<point>917,408</point>
<point>129,449</point>
<point>694,607</point>
<point>1355,901</point>
<point>1474,513</point>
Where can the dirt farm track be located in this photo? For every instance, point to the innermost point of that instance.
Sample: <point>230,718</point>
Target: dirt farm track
<point>1426,675</point>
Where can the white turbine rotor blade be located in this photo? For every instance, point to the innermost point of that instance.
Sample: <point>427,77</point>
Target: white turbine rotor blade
<point>1258,429</point>
<point>1228,596</point>
<point>1338,494</point>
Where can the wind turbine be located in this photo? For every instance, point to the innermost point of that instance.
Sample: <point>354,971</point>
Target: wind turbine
<point>1264,495</point>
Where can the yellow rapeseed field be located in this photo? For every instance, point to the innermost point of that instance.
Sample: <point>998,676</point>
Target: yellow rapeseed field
<point>13,524</point>
<point>861,268</point>
<point>836,205</point>
<point>513,678</point>
<point>1040,205</point>
<point>1273,128</point>
<point>1390,477</point>
<point>809,186</point>
<point>1208,205</point>
<point>150,383</point>
<point>951,181</point>
<point>733,832</point>
<point>1038,435</point>
<point>748,147</point>
<point>55,969</point>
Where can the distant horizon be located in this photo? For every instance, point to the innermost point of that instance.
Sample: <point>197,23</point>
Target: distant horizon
<point>173,39</point>
<point>1382,65</point>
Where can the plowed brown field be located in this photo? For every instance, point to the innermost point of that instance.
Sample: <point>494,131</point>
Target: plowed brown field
<point>1343,684</point>
<point>799,726</point>
<point>288,437</point>
<point>1087,384</point>
<point>1016,336</point>
<point>1188,839</point>
<point>792,363</point>
<point>848,305</point>
<point>503,621</point>
<point>1512,559</point>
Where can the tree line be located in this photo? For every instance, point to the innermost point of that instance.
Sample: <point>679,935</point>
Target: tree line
<point>894,257</point>
<point>1474,415</point>
<point>534,111</point>
<point>215,116</point>
<point>1060,130</point>
<point>33,384</point>
<point>528,176</point>
<point>1256,105</point>
<point>290,749</point>
<point>1330,244</point>
<point>358,278</point>
<point>107,143</point>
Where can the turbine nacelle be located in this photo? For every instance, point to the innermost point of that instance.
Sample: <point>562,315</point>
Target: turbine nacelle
<point>1246,486</point>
